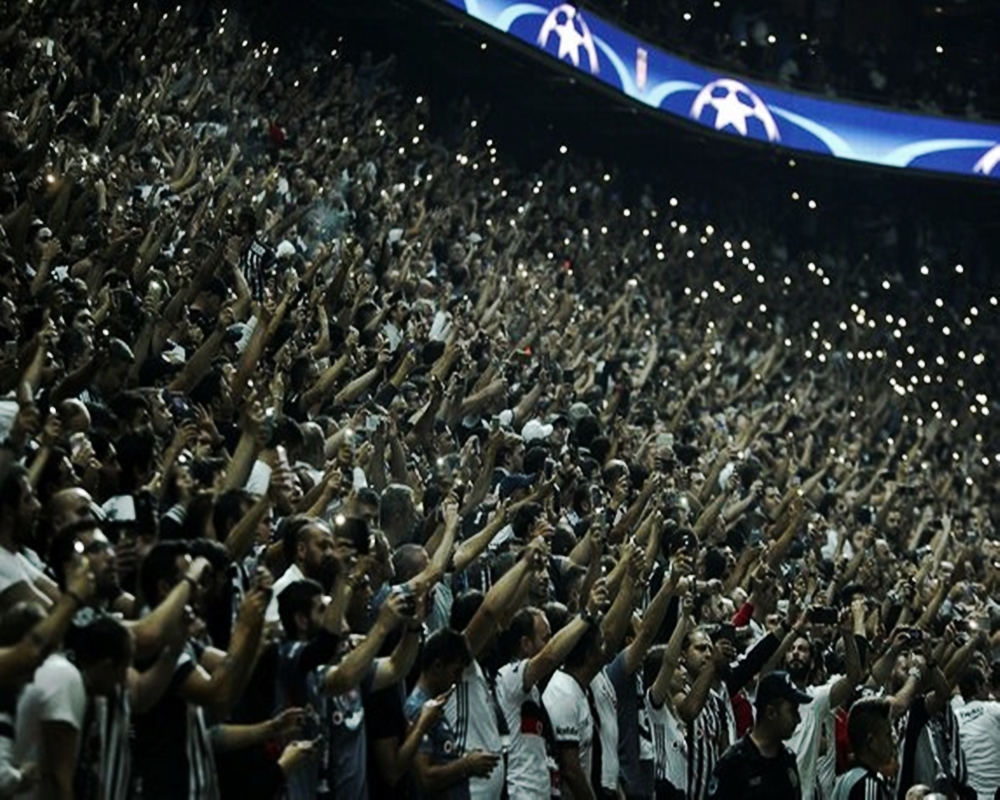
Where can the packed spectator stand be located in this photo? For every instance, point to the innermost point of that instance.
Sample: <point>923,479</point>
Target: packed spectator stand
<point>345,457</point>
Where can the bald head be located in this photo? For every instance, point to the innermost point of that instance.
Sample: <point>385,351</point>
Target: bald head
<point>74,416</point>
<point>68,506</point>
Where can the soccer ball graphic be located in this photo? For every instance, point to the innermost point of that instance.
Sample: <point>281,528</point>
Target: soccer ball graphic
<point>734,104</point>
<point>568,24</point>
<point>985,165</point>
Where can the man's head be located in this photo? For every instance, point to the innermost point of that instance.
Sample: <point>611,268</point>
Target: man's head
<point>444,657</point>
<point>529,632</point>
<point>103,651</point>
<point>397,513</point>
<point>799,659</point>
<point>161,570</point>
<point>870,732</point>
<point>307,542</point>
<point>69,506</point>
<point>86,535</point>
<point>588,652</point>
<point>698,650</point>
<point>973,684</point>
<point>777,705</point>
<point>300,607</point>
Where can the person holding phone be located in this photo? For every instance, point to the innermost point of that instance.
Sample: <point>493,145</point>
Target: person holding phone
<point>442,770</point>
<point>816,768</point>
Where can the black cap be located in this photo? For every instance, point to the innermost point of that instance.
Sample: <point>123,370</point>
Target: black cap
<point>778,686</point>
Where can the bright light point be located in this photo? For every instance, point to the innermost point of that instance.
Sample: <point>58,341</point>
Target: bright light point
<point>673,202</point>
<point>939,49</point>
<point>812,204</point>
<point>924,271</point>
<point>562,149</point>
<point>795,195</point>
<point>886,285</point>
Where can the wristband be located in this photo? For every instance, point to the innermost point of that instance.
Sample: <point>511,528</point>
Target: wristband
<point>590,619</point>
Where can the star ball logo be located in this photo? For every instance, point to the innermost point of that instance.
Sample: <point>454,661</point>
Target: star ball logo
<point>986,164</point>
<point>734,104</point>
<point>568,24</point>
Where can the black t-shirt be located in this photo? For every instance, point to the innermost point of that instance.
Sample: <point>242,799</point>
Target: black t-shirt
<point>743,773</point>
<point>384,719</point>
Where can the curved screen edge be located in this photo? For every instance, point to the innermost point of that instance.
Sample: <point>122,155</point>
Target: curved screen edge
<point>731,105</point>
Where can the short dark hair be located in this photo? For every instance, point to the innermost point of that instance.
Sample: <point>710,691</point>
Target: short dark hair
<point>445,646</point>
<point>521,624</point>
<point>971,682</point>
<point>103,637</point>
<point>297,598</point>
<point>18,620</point>
<point>584,646</point>
<point>464,608</point>
<point>863,713</point>
<point>292,531</point>
<point>160,564</point>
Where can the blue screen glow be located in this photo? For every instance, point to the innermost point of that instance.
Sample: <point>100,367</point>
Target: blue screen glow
<point>731,105</point>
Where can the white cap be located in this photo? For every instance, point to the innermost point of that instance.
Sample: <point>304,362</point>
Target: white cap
<point>535,429</point>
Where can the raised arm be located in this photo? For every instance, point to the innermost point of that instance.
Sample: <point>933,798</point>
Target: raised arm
<point>548,660</point>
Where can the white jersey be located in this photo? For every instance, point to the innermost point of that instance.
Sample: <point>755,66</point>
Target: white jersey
<point>527,767</point>
<point>470,713</point>
<point>572,723</point>
<point>979,731</point>
<point>711,733</point>
<point>805,742</point>
<point>606,703</point>
<point>669,745</point>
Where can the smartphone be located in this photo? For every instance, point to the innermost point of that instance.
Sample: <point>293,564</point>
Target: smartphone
<point>823,615</point>
<point>727,631</point>
<point>409,600</point>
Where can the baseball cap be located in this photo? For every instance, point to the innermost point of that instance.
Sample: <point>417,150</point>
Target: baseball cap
<point>511,483</point>
<point>535,429</point>
<point>778,686</point>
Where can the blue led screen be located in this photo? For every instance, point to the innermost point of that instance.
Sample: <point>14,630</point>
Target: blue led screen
<point>732,105</point>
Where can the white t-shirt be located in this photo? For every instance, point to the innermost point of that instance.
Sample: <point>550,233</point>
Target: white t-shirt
<point>470,714</point>
<point>290,576</point>
<point>568,709</point>
<point>979,732</point>
<point>527,768</point>
<point>15,568</point>
<point>56,695</point>
<point>805,742</point>
<point>670,748</point>
<point>606,703</point>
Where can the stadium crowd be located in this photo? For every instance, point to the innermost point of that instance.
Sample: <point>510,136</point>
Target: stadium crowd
<point>342,459</point>
<point>929,62</point>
